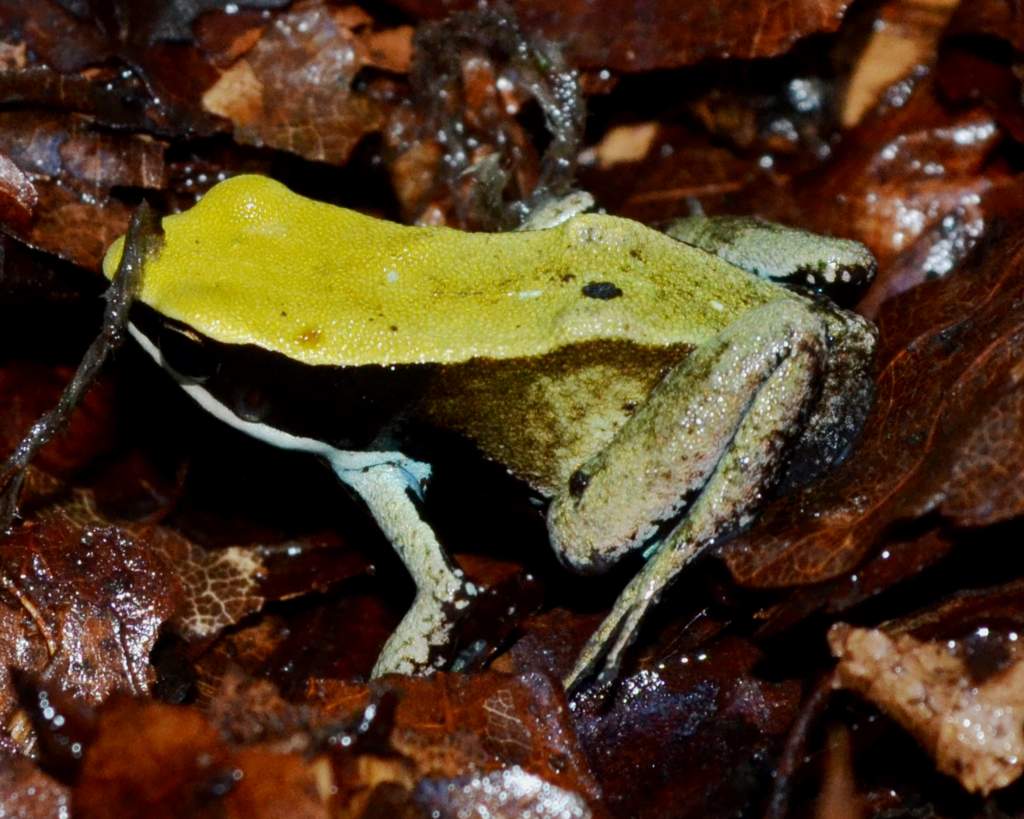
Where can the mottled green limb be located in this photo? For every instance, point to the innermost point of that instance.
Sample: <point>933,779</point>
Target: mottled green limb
<point>780,253</point>
<point>442,594</point>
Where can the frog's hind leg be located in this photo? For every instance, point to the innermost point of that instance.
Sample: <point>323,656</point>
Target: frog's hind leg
<point>740,397</point>
<point>389,487</point>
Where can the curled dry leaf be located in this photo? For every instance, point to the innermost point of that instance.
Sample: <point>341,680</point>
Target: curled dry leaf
<point>660,33</point>
<point>942,437</point>
<point>974,730</point>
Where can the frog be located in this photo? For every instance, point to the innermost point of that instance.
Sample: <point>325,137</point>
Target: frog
<point>650,387</point>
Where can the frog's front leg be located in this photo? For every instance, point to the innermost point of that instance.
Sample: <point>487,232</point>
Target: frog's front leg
<point>838,268</point>
<point>715,428</point>
<point>387,482</point>
<point>388,488</point>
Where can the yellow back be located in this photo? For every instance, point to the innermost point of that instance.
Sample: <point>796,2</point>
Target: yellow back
<point>254,263</point>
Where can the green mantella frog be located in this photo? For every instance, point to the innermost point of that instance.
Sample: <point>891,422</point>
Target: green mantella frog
<point>648,387</point>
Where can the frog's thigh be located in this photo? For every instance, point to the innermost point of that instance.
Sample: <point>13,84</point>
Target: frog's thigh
<point>441,590</point>
<point>756,386</point>
<point>628,493</point>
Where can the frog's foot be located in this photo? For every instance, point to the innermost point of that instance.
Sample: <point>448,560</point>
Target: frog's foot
<point>616,633</point>
<point>388,488</point>
<point>556,211</point>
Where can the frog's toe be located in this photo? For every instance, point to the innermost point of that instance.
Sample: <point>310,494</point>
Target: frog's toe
<point>607,646</point>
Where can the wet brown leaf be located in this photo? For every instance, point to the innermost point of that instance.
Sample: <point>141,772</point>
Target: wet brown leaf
<point>690,734</point>
<point>838,798</point>
<point>27,390</point>
<point>902,559</point>
<point>159,83</point>
<point>150,21</point>
<point>82,605</point>
<point>948,384</point>
<point>904,34</point>
<point>73,167</point>
<point>688,731</point>
<point>220,587</point>
<point>103,103</point>
<point>912,169</point>
<point>181,760</point>
<point>506,794</point>
<point>254,754</point>
<point>108,98</point>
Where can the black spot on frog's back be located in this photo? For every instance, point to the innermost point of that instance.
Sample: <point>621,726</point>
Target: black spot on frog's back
<point>601,290</point>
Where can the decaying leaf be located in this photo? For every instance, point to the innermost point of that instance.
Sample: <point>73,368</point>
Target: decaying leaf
<point>252,753</point>
<point>974,730</point>
<point>915,181</point>
<point>18,198</point>
<point>981,59</point>
<point>182,759</point>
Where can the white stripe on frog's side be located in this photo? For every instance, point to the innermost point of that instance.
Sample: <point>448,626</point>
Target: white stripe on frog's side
<point>341,460</point>
<point>383,481</point>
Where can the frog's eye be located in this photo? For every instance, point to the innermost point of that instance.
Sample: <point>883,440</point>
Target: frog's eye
<point>187,354</point>
<point>250,403</point>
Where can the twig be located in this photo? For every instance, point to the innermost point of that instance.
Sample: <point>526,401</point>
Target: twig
<point>142,240</point>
